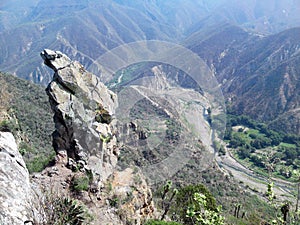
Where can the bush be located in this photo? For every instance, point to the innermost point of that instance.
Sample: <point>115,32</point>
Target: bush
<point>25,148</point>
<point>8,126</point>
<point>159,222</point>
<point>80,183</point>
<point>114,202</point>
<point>261,142</point>
<point>257,161</point>
<point>60,210</point>
<point>237,140</point>
<point>102,115</point>
<point>185,199</point>
<point>38,163</point>
<point>200,215</point>
<point>70,212</point>
<point>244,153</point>
<point>4,126</point>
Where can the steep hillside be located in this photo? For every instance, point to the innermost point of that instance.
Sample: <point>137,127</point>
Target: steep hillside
<point>259,75</point>
<point>26,112</point>
<point>180,155</point>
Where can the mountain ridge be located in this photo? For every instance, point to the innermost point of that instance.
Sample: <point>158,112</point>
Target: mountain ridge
<point>87,29</point>
<point>259,74</point>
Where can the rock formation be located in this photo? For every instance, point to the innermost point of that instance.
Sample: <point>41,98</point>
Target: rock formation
<point>135,197</point>
<point>85,138</point>
<point>83,115</point>
<point>15,191</point>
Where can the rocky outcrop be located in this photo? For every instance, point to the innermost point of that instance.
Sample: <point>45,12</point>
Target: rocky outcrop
<point>131,195</point>
<point>83,114</point>
<point>85,139</point>
<point>15,191</point>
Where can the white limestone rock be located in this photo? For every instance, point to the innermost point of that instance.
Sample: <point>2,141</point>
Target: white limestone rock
<point>15,187</point>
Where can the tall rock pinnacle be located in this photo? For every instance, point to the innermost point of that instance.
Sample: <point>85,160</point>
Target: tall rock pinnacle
<point>83,114</point>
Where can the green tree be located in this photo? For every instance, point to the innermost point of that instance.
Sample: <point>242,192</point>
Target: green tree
<point>244,152</point>
<point>185,200</point>
<point>237,140</point>
<point>200,214</point>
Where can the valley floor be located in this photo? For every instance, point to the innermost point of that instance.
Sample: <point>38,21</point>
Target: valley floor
<point>254,182</point>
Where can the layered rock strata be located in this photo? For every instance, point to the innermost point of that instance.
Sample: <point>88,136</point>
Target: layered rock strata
<point>83,114</point>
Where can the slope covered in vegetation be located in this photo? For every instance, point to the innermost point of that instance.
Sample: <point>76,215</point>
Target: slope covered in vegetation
<point>26,112</point>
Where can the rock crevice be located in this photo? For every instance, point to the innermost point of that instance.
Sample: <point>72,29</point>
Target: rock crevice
<point>83,114</point>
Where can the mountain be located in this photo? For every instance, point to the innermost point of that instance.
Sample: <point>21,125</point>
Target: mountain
<point>85,29</point>
<point>164,130</point>
<point>82,29</point>
<point>259,74</point>
<point>264,17</point>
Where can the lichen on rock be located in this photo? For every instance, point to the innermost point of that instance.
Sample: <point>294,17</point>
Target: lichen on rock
<point>83,113</point>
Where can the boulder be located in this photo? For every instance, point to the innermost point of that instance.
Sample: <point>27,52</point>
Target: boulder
<point>15,191</point>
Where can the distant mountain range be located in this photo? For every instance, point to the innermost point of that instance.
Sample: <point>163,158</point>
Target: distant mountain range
<point>82,29</point>
<point>85,29</point>
<point>252,46</point>
<point>259,74</point>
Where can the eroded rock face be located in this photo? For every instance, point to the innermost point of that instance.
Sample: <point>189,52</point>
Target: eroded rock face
<point>83,115</point>
<point>15,191</point>
<point>85,135</point>
<point>134,196</point>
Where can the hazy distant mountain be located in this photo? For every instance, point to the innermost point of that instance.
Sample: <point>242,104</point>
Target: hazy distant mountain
<point>259,75</point>
<point>265,17</point>
<point>85,29</point>
<point>82,29</point>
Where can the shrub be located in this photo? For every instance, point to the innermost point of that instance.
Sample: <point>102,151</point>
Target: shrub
<point>25,148</point>
<point>69,211</point>
<point>102,115</point>
<point>244,153</point>
<point>80,183</point>
<point>167,196</point>
<point>60,210</point>
<point>38,163</point>
<point>159,222</point>
<point>114,201</point>
<point>200,214</point>
<point>185,199</point>
<point>8,126</point>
